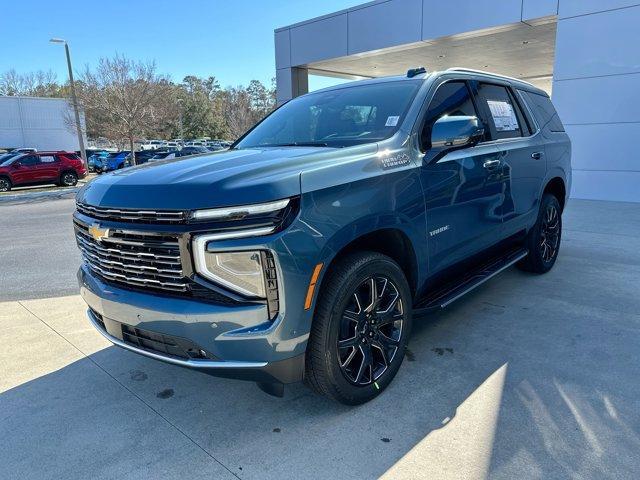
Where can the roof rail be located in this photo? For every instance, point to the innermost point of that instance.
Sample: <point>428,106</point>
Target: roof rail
<point>483,72</point>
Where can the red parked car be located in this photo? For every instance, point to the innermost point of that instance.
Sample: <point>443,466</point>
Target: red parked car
<point>37,168</point>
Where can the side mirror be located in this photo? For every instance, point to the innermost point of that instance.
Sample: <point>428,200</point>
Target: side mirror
<point>17,164</point>
<point>453,133</point>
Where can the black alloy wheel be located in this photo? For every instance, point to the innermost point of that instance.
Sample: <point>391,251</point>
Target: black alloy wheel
<point>370,331</point>
<point>5,185</point>
<point>69,179</point>
<point>543,239</point>
<point>550,233</point>
<point>361,327</point>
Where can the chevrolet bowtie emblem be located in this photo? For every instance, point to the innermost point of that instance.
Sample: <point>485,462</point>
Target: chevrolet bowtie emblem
<point>98,233</point>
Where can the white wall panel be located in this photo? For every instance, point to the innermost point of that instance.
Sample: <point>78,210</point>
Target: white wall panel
<point>570,8</point>
<point>319,40</point>
<point>451,17</point>
<point>603,185</point>
<point>605,146</point>
<point>384,25</point>
<point>611,46</point>
<point>614,99</point>
<point>283,49</point>
<point>40,123</point>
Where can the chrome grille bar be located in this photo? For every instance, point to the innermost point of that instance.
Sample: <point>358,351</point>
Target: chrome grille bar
<point>134,258</point>
<point>131,215</point>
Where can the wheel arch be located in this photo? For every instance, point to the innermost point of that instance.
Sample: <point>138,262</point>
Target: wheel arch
<point>390,241</point>
<point>556,186</point>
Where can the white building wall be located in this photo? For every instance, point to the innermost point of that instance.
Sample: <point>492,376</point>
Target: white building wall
<point>36,122</point>
<point>596,81</point>
<point>596,90</point>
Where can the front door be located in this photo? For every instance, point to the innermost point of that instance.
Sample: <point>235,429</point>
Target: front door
<point>25,169</point>
<point>463,190</point>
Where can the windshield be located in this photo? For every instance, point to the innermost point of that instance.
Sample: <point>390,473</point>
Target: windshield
<point>336,118</point>
<point>7,158</point>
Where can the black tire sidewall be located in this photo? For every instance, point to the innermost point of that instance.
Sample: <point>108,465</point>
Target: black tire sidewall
<point>344,390</point>
<point>536,260</point>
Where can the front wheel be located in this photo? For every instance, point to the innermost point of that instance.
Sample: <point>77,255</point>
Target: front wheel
<point>5,184</point>
<point>360,329</point>
<point>543,240</point>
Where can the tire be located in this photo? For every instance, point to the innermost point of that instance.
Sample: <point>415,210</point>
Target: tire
<point>543,240</point>
<point>68,179</point>
<point>377,333</point>
<point>5,184</point>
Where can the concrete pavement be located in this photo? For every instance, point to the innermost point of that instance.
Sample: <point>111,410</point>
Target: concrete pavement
<point>527,377</point>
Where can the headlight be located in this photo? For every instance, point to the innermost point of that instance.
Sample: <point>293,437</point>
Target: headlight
<point>239,271</point>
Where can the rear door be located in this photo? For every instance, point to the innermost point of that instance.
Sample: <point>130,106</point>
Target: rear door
<point>523,166</point>
<point>463,189</point>
<point>49,168</point>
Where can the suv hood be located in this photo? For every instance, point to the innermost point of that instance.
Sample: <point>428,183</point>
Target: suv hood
<point>234,177</point>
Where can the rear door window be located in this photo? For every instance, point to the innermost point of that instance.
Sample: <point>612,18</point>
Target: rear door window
<point>502,112</point>
<point>47,158</point>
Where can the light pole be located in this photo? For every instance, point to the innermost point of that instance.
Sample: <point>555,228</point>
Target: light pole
<point>74,99</point>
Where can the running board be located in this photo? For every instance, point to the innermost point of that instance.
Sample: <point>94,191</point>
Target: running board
<point>453,291</point>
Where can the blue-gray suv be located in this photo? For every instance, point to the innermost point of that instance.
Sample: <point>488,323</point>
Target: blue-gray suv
<point>304,251</point>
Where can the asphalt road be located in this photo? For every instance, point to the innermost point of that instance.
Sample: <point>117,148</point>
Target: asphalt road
<point>38,254</point>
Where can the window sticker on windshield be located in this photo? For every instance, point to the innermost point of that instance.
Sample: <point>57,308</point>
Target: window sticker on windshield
<point>392,121</point>
<point>504,117</point>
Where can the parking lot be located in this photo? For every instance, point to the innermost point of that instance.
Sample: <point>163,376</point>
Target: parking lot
<point>529,376</point>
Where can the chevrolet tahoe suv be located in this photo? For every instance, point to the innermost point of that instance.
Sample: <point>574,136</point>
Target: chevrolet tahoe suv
<point>304,252</point>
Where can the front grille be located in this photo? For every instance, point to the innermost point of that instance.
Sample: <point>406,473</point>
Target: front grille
<point>132,215</point>
<point>134,258</point>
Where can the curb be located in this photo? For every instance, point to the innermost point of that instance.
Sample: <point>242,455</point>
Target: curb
<point>32,197</point>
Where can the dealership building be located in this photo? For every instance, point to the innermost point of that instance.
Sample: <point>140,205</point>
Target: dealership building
<point>40,123</point>
<point>584,53</point>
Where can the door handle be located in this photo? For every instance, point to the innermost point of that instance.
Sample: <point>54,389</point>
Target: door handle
<point>489,164</point>
<point>536,155</point>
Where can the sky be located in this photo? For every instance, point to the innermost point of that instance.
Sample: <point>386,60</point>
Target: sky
<point>229,39</point>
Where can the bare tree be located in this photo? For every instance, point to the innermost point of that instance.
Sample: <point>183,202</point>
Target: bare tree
<point>123,99</point>
<point>35,84</point>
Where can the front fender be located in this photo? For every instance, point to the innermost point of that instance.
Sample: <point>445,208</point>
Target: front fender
<point>333,217</point>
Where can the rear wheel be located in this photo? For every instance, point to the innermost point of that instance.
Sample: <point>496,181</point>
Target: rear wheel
<point>68,179</point>
<point>543,240</point>
<point>360,329</point>
<point>5,184</point>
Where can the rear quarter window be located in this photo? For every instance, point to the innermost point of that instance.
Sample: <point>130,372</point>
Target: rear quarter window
<point>544,110</point>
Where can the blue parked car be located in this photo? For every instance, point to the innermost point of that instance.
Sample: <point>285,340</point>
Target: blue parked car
<point>305,250</point>
<point>95,161</point>
<point>112,161</point>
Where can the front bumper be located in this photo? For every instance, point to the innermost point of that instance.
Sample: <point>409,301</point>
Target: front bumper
<point>219,330</point>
